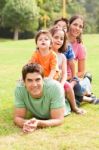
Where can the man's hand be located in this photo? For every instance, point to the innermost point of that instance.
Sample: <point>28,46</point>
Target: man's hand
<point>30,125</point>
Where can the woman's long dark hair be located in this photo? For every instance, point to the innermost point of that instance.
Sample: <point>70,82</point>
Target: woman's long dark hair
<point>73,18</point>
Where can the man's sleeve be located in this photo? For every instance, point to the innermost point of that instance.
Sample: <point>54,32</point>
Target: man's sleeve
<point>19,98</point>
<point>58,97</point>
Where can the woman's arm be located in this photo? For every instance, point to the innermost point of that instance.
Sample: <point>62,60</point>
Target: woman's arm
<point>71,64</point>
<point>81,68</point>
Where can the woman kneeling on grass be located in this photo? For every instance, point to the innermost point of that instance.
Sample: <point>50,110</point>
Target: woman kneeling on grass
<point>76,25</point>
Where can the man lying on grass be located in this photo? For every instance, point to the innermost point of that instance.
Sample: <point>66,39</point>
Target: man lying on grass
<point>44,98</point>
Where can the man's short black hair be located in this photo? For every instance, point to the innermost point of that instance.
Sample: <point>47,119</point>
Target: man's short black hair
<point>32,68</point>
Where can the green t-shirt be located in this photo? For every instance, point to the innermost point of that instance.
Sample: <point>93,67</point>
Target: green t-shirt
<point>52,98</point>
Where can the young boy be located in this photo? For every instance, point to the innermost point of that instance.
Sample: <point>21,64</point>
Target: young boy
<point>44,55</point>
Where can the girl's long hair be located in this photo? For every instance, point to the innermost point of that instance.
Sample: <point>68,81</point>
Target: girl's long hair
<point>53,30</point>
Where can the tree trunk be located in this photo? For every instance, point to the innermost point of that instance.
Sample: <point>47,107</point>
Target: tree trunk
<point>16,33</point>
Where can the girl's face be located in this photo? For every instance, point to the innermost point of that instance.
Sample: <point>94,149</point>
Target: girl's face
<point>61,24</point>
<point>57,40</point>
<point>76,27</point>
<point>43,42</point>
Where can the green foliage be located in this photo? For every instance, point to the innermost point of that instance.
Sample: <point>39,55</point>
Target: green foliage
<point>92,11</point>
<point>2,4</point>
<point>29,14</point>
<point>46,8</point>
<point>20,15</point>
<point>88,8</point>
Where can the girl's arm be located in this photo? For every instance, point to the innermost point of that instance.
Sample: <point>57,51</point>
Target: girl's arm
<point>53,64</point>
<point>64,70</point>
<point>52,73</point>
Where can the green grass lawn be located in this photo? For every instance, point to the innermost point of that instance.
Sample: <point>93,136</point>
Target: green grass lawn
<point>77,132</point>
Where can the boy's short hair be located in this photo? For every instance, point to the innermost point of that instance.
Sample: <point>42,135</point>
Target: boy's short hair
<point>43,32</point>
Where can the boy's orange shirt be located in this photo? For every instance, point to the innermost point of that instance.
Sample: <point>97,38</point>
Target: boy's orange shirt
<point>48,62</point>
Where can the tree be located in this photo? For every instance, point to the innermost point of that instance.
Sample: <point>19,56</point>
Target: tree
<point>92,11</point>
<point>2,4</point>
<point>19,15</point>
